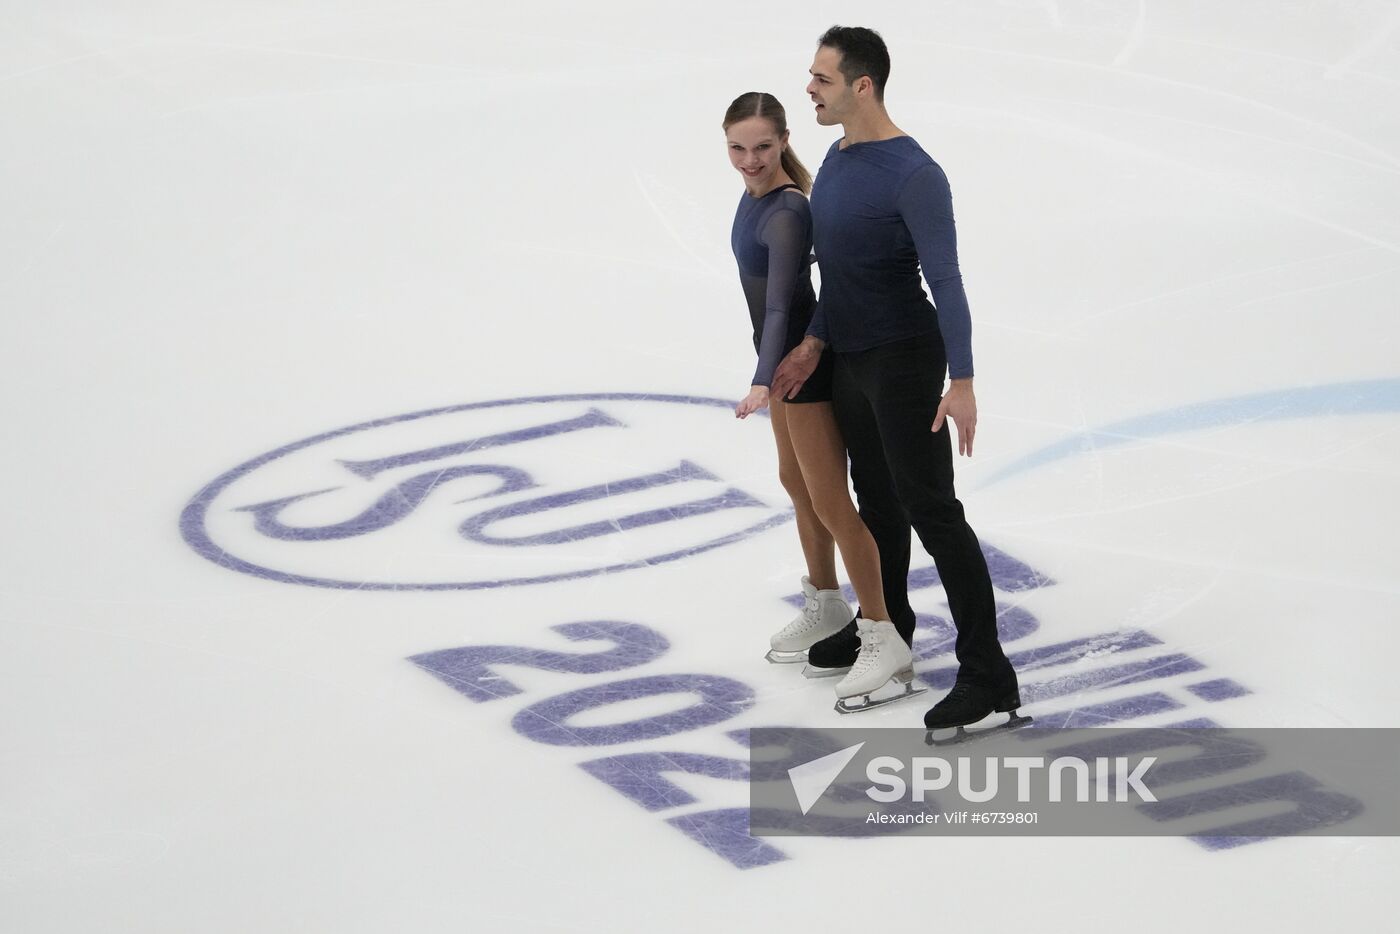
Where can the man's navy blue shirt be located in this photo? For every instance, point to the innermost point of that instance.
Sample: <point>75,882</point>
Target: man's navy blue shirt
<point>880,211</point>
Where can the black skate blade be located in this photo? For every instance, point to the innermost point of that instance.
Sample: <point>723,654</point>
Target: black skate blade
<point>961,734</point>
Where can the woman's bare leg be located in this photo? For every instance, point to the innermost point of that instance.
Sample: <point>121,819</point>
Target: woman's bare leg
<point>821,454</point>
<point>818,545</point>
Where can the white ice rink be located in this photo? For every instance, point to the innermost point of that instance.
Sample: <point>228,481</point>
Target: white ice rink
<point>233,229</point>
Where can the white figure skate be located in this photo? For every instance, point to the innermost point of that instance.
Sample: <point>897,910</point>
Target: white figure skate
<point>824,613</point>
<point>884,660</point>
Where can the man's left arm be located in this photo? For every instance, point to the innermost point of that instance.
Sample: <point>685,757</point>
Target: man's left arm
<point>926,205</point>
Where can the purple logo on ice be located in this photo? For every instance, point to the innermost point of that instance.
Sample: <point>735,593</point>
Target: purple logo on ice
<point>490,494</point>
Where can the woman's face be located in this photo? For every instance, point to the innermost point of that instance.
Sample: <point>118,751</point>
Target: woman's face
<point>756,150</point>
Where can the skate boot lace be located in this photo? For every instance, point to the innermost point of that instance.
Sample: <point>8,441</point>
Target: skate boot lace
<point>956,695</point>
<point>810,617</point>
<point>869,651</point>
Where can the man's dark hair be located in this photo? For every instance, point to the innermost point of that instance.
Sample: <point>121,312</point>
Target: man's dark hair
<point>863,52</point>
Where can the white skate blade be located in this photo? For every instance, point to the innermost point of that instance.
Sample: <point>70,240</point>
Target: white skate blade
<point>811,672</point>
<point>859,702</point>
<point>786,658</point>
<point>953,735</point>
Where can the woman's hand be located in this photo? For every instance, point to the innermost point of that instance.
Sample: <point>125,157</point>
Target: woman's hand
<point>755,400</point>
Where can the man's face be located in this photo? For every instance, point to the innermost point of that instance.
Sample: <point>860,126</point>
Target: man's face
<point>833,97</point>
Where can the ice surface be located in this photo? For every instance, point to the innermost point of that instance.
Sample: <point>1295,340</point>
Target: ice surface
<point>234,227</point>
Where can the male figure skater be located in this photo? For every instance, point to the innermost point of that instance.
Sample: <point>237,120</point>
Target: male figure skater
<point>881,209</point>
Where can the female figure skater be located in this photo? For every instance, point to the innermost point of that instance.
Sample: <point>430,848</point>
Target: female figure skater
<point>772,241</point>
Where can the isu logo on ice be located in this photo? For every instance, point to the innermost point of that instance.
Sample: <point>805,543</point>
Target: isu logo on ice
<point>491,494</point>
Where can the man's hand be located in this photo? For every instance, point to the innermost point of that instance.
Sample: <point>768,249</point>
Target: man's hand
<point>960,405</point>
<point>755,400</point>
<point>797,367</point>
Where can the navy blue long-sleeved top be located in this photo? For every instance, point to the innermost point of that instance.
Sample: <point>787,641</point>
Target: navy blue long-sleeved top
<point>880,211</point>
<point>772,241</point>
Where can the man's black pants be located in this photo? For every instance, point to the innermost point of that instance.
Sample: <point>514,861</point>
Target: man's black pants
<point>885,400</point>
